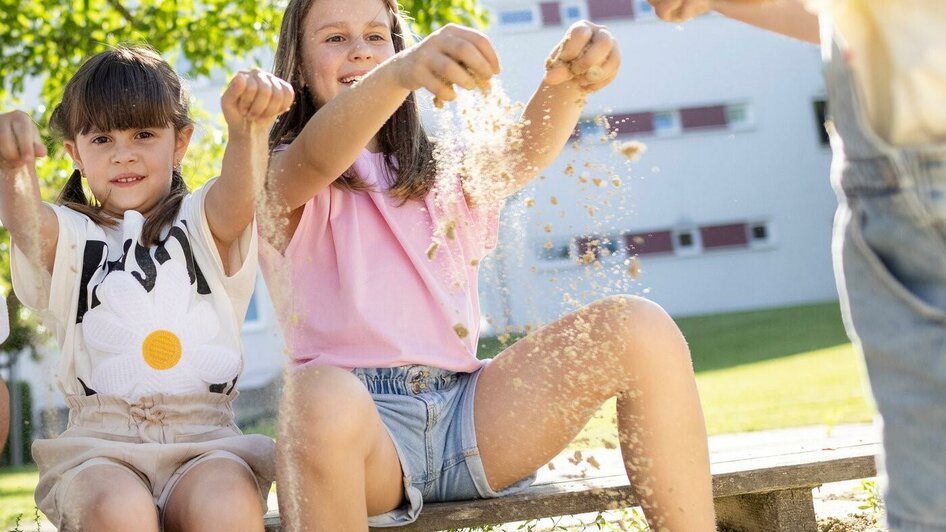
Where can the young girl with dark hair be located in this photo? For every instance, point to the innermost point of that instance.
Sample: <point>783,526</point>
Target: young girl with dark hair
<point>145,286</point>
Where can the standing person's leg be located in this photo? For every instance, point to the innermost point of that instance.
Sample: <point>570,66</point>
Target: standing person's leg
<point>336,463</point>
<point>890,262</point>
<point>892,277</point>
<point>537,395</point>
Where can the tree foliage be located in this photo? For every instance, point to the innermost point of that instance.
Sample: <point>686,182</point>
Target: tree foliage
<point>48,39</point>
<point>43,42</point>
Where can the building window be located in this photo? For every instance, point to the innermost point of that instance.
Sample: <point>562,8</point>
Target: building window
<point>632,123</point>
<point>686,241</point>
<point>518,18</point>
<point>738,116</point>
<point>610,246</point>
<point>551,13</point>
<point>821,117</point>
<point>666,123</point>
<point>760,234</point>
<point>708,117</point>
<point>724,236</point>
<point>591,128</point>
<point>643,10</point>
<point>610,9</point>
<point>591,248</point>
<point>555,251</point>
<point>648,243</point>
<point>572,13</point>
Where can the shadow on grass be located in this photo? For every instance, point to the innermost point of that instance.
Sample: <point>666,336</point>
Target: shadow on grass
<point>725,340</point>
<point>720,341</point>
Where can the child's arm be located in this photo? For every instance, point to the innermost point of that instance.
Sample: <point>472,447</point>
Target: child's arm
<point>586,60</point>
<point>336,134</point>
<point>250,106</point>
<point>33,225</point>
<point>788,17</point>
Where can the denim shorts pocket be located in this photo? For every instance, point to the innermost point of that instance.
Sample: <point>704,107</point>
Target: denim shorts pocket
<point>902,257</point>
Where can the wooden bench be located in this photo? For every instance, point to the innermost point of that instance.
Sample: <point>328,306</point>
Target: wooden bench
<point>768,490</point>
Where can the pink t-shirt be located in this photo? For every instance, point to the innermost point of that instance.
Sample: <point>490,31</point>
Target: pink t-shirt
<point>356,288</point>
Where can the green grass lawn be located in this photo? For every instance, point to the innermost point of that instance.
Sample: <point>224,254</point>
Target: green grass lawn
<point>767,369</point>
<point>16,496</point>
<point>725,340</point>
<point>813,388</point>
<point>755,370</point>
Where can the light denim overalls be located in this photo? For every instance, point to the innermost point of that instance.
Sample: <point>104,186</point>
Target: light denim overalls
<point>890,262</point>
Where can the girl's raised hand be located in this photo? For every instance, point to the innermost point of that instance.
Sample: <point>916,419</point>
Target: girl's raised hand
<point>451,55</point>
<point>255,97</point>
<point>588,54</point>
<point>684,10</point>
<point>680,10</point>
<point>20,143</point>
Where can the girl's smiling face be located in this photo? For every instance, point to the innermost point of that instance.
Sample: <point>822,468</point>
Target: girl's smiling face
<point>129,169</point>
<point>342,41</point>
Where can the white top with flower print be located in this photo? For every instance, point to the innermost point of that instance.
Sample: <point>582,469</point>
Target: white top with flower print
<point>133,321</point>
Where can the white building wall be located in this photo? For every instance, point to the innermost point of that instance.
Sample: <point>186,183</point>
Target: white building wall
<point>774,169</point>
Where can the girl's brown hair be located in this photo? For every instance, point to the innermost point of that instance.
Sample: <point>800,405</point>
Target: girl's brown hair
<point>407,149</point>
<point>128,87</point>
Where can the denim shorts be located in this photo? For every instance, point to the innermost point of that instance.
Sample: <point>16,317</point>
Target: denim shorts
<point>429,414</point>
<point>890,251</point>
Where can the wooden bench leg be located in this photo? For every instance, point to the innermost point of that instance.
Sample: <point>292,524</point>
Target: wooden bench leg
<point>790,510</point>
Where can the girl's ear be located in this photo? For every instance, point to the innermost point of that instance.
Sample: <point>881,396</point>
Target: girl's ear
<point>73,152</point>
<point>182,142</point>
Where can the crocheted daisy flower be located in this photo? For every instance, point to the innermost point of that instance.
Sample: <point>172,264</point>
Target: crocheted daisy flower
<point>159,342</point>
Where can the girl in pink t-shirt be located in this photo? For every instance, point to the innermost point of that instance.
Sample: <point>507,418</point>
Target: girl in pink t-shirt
<point>388,406</point>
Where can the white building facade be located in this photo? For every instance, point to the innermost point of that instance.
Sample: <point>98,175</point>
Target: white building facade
<point>729,208</point>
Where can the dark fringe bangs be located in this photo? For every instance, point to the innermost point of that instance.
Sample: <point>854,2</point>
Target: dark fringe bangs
<point>121,95</point>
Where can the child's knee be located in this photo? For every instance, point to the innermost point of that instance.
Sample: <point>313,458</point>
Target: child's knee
<point>637,327</point>
<point>328,408</point>
<point>621,315</point>
<point>234,505</point>
<point>110,507</point>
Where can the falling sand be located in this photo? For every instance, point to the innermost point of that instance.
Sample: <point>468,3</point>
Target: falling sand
<point>632,149</point>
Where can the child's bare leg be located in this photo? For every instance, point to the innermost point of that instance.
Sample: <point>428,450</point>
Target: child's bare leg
<point>108,498</point>
<point>215,495</point>
<point>538,394</point>
<point>336,463</point>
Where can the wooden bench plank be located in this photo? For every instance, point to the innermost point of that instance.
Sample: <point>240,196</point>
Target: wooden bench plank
<point>743,490</point>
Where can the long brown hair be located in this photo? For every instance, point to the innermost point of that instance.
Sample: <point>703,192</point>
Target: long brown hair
<point>127,87</point>
<point>408,152</point>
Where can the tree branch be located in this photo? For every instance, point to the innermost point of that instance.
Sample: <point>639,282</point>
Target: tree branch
<point>124,12</point>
